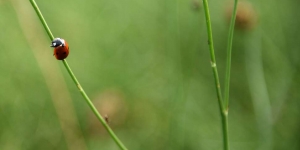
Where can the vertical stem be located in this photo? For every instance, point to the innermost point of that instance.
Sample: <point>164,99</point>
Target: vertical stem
<point>223,113</point>
<point>225,130</point>
<point>106,126</point>
<point>229,49</point>
<point>212,54</point>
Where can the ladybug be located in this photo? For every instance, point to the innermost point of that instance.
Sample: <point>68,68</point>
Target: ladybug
<point>61,48</point>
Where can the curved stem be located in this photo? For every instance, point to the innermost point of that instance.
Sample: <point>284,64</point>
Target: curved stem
<point>106,126</point>
<point>223,112</point>
<point>229,49</point>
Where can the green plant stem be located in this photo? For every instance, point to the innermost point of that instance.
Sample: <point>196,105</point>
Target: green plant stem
<point>229,49</point>
<point>38,12</point>
<point>225,130</point>
<point>223,113</point>
<point>106,126</point>
<point>94,109</point>
<point>212,54</point>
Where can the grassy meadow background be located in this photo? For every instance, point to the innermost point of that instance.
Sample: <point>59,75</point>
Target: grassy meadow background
<point>146,65</point>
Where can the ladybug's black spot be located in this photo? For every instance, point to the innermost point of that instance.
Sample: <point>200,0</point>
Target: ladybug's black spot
<point>64,52</point>
<point>56,53</point>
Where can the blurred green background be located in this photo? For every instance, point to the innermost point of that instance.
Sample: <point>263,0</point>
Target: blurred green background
<point>146,65</point>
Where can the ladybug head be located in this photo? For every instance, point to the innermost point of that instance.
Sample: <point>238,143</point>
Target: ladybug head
<point>57,42</point>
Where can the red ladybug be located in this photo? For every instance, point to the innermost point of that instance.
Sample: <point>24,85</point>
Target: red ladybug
<point>61,48</point>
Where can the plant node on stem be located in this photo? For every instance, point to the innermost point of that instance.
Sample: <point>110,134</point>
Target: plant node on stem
<point>223,105</point>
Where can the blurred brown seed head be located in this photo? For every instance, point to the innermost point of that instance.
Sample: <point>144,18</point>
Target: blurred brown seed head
<point>196,5</point>
<point>246,18</point>
<point>112,106</point>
